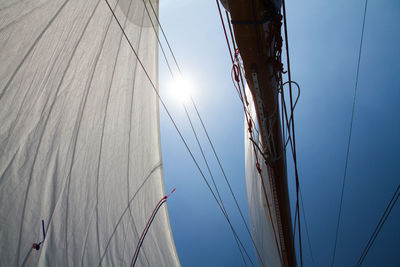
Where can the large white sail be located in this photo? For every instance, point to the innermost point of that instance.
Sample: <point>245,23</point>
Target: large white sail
<point>79,135</point>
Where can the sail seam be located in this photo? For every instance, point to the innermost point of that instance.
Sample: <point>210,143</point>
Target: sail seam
<point>107,102</point>
<point>31,49</point>
<point>130,131</point>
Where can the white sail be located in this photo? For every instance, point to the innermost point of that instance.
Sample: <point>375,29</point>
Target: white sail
<point>262,227</point>
<point>79,135</point>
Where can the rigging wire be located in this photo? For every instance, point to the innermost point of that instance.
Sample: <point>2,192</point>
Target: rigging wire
<point>293,131</point>
<point>306,225</point>
<point>209,171</point>
<point>175,125</point>
<point>379,226</point>
<point>158,38</point>
<point>350,133</point>
<point>165,37</point>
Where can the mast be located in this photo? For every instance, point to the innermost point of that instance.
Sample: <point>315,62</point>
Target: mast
<point>80,160</point>
<point>257,31</point>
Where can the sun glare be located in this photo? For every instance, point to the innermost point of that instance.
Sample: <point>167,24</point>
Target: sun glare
<point>181,89</point>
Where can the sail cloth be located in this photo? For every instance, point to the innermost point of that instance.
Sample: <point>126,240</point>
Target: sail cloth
<point>79,135</point>
<point>259,216</point>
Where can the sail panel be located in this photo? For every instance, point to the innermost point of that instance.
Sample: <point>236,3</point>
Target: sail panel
<point>79,135</point>
<point>262,227</point>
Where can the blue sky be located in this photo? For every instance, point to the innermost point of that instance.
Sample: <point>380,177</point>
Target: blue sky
<point>324,41</point>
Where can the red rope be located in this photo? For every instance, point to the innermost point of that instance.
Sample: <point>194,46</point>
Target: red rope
<point>148,224</point>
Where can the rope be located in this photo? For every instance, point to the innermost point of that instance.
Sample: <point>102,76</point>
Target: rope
<point>284,112</point>
<point>379,226</point>
<point>350,133</point>
<point>146,229</point>
<point>297,98</point>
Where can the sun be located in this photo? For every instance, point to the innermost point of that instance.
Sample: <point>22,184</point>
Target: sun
<point>181,89</point>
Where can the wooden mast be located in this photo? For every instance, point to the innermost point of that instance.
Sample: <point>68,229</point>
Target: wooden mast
<point>257,29</point>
